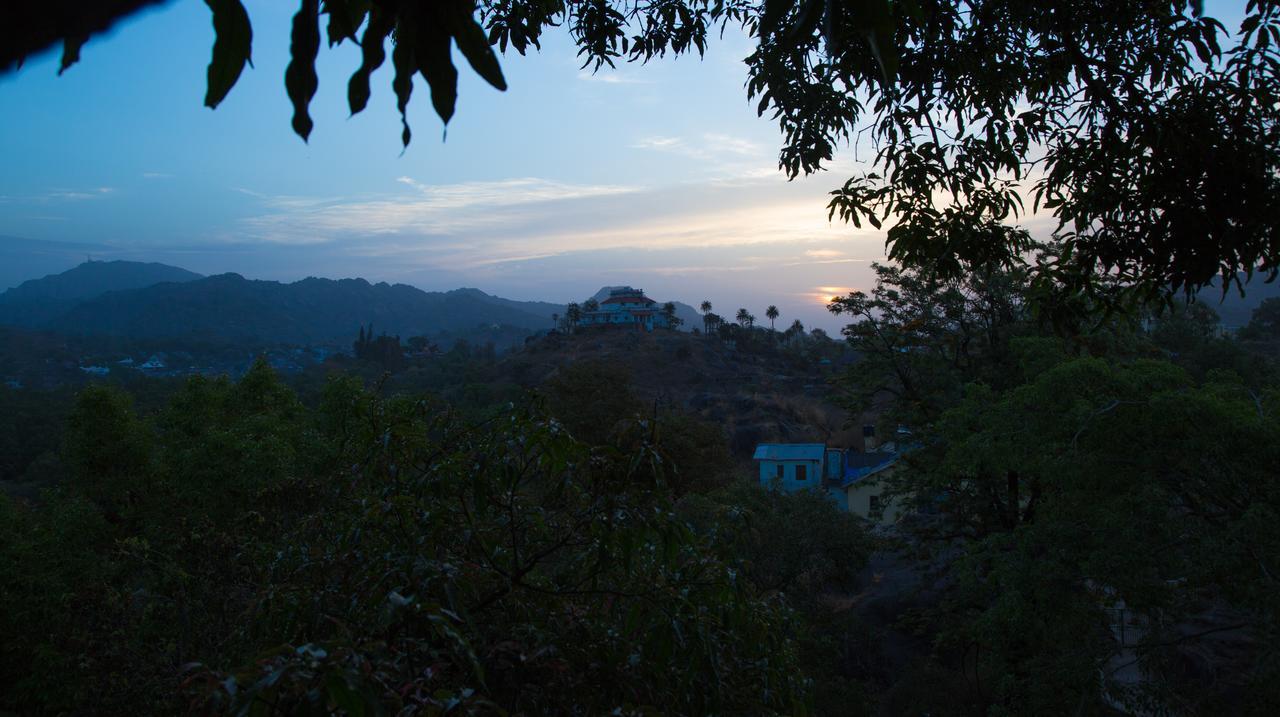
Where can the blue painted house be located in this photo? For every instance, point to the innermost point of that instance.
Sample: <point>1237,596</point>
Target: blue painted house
<point>627,307</point>
<point>851,479</point>
<point>798,466</point>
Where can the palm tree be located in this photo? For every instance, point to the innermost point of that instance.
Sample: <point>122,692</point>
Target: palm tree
<point>797,329</point>
<point>555,321</point>
<point>772,313</point>
<point>706,312</point>
<point>743,317</point>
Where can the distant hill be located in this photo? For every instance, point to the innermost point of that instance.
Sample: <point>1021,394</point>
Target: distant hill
<point>94,278</point>
<point>21,259</point>
<point>90,300</point>
<point>1235,310</point>
<point>36,302</point>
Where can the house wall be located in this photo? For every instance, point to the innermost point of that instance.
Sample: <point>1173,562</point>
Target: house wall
<point>859,498</point>
<point>835,464</point>
<point>789,484</point>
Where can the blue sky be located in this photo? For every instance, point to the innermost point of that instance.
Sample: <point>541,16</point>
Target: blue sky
<point>659,176</point>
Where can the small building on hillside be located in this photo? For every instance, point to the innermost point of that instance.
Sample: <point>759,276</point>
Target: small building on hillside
<point>792,467</point>
<point>155,363</point>
<point>864,486</point>
<point>853,480</point>
<point>627,307</point>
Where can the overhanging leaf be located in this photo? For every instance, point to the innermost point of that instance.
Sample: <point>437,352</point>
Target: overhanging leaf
<point>373,53</point>
<point>300,79</point>
<point>402,83</point>
<point>345,17</point>
<point>436,64</point>
<point>232,48</point>
<point>71,51</point>
<point>474,45</point>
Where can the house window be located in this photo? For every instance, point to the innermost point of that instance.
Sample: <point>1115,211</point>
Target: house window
<point>800,472</point>
<point>781,469</point>
<point>874,503</point>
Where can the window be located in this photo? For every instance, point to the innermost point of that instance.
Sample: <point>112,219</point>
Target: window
<point>800,469</point>
<point>781,470</point>
<point>874,503</point>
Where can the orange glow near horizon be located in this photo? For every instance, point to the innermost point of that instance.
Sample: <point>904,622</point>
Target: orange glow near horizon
<point>826,294</point>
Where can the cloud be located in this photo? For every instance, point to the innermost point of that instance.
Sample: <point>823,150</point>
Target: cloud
<point>721,150</point>
<point>659,143</point>
<point>76,195</point>
<point>613,78</point>
<point>438,211</point>
<point>823,253</point>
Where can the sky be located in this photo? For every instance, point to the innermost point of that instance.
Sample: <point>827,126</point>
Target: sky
<point>659,176</point>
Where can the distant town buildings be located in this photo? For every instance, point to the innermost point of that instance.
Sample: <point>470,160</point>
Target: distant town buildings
<point>626,306</point>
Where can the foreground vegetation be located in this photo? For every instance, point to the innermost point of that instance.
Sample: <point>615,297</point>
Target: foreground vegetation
<point>226,546</point>
<point>236,550</point>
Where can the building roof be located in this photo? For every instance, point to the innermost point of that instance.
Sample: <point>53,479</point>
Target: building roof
<point>863,465</point>
<point>628,299</point>
<point>790,452</point>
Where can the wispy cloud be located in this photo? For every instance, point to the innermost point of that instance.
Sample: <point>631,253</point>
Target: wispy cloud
<point>438,211</point>
<point>613,78</point>
<point>710,145</point>
<point>75,195</point>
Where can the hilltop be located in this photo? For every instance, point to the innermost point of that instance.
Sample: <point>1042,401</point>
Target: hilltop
<point>35,302</point>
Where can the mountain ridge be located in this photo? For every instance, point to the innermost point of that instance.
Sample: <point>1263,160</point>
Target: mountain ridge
<point>231,308</point>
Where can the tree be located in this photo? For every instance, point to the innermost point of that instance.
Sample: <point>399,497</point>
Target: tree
<point>1095,484</point>
<point>772,314</point>
<point>669,313</point>
<point>555,320</point>
<point>590,305</point>
<point>712,322</point>
<point>745,319</point>
<point>922,336</point>
<point>1264,324</point>
<point>572,315</point>
<point>706,317</point>
<point>962,100</point>
<point>796,330</point>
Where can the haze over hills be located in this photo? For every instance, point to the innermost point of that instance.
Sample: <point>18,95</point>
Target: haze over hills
<point>155,301</point>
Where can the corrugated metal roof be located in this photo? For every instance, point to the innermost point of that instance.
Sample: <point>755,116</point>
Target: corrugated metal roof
<point>864,465</point>
<point>790,452</point>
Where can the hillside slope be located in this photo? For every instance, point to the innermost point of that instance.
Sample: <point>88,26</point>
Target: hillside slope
<point>773,395</point>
